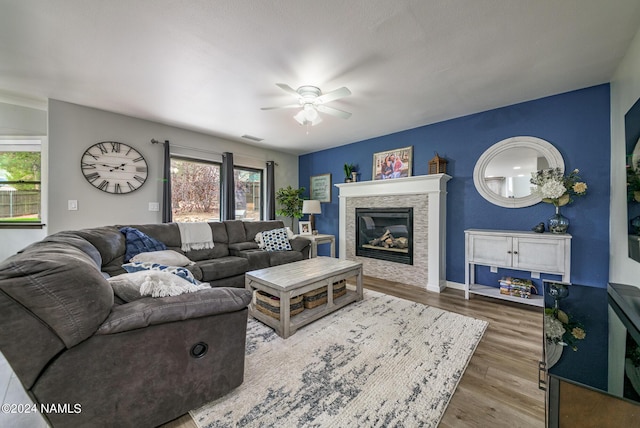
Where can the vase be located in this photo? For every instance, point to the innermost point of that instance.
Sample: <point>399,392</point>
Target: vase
<point>558,223</point>
<point>553,353</point>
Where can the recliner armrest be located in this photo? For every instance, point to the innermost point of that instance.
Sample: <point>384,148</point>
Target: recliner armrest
<point>151,311</point>
<point>299,244</point>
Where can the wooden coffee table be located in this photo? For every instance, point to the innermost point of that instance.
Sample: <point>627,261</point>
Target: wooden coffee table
<point>293,279</point>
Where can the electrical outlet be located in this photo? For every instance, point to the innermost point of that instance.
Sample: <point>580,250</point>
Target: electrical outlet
<point>72,205</point>
<point>154,206</point>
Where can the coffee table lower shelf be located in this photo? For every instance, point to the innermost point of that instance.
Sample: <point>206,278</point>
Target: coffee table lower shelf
<point>308,315</point>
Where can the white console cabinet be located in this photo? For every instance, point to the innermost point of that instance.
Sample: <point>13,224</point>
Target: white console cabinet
<point>527,251</point>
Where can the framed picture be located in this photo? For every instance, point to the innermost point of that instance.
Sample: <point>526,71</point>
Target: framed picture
<point>304,227</point>
<point>394,163</point>
<point>320,187</point>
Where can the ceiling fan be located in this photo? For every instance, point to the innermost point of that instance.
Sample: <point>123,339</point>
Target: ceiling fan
<point>312,101</point>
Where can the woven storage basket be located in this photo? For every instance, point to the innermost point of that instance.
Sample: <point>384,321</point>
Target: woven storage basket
<point>319,296</point>
<point>270,305</point>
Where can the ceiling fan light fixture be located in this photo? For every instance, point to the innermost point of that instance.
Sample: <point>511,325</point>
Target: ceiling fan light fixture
<point>312,101</point>
<point>308,116</point>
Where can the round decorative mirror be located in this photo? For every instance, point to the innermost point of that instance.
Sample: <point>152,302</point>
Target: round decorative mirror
<point>502,173</point>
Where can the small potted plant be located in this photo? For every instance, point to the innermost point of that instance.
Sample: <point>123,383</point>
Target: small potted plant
<point>350,173</point>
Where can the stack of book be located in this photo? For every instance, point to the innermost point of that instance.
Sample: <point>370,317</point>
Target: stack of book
<point>517,287</point>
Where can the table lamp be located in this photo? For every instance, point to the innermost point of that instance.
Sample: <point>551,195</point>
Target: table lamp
<point>311,207</point>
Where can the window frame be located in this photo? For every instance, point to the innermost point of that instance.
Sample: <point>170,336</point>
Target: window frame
<point>42,141</point>
<point>204,161</point>
<point>262,185</point>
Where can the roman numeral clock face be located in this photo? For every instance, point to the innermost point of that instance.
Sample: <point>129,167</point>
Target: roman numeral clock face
<point>114,167</point>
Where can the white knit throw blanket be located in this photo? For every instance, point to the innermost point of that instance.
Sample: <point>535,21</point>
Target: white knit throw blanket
<point>195,236</point>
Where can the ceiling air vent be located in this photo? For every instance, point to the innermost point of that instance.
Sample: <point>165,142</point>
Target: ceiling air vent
<point>252,138</point>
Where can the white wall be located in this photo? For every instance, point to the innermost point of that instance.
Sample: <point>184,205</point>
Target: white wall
<point>73,128</point>
<point>625,90</point>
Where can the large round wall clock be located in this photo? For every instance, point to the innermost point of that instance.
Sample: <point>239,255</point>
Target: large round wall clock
<point>114,167</point>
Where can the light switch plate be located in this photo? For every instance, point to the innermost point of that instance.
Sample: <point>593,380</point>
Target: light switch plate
<point>72,205</point>
<point>154,206</point>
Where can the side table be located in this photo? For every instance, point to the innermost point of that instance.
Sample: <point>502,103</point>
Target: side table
<point>320,239</point>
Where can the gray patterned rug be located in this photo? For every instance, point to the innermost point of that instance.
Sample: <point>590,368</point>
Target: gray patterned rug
<point>380,362</point>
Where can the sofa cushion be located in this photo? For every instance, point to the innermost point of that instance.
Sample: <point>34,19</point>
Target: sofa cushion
<point>108,240</point>
<point>276,240</point>
<point>251,228</point>
<point>137,242</point>
<point>147,311</point>
<point>164,257</point>
<point>235,231</point>
<point>241,246</point>
<point>258,259</point>
<point>180,271</point>
<point>133,286</point>
<point>167,233</point>
<point>62,286</point>
<point>281,257</point>
<point>223,267</point>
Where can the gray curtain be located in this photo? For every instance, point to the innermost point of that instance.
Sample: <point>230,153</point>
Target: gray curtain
<point>228,210</point>
<point>270,204</point>
<point>166,185</point>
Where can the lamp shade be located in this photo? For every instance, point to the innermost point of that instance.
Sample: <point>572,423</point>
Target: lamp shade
<point>311,207</point>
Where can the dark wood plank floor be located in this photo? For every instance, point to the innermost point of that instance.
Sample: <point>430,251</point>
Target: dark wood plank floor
<point>500,386</point>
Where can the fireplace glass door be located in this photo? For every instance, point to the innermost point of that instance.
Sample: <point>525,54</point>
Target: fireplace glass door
<point>385,234</point>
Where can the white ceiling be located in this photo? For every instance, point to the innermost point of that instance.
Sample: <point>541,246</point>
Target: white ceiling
<point>210,65</point>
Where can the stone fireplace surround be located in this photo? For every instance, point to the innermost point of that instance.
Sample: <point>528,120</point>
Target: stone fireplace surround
<point>427,195</point>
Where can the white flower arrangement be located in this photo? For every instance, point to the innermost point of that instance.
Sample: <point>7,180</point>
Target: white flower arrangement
<point>554,188</point>
<point>554,329</point>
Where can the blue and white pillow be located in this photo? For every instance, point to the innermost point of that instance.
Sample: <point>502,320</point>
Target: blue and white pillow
<point>182,272</point>
<point>137,242</point>
<point>276,240</point>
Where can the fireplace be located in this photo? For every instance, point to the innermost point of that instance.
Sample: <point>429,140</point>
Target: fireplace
<point>385,234</point>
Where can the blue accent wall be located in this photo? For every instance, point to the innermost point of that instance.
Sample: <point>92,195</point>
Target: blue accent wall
<point>577,123</point>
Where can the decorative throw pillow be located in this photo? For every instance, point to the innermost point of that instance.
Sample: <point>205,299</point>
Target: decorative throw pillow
<point>276,240</point>
<point>133,286</point>
<point>258,237</point>
<point>137,242</point>
<point>163,257</point>
<point>180,271</point>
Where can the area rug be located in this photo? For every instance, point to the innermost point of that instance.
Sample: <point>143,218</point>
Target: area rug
<point>379,362</point>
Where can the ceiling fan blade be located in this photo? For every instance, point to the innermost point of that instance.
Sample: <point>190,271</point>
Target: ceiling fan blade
<point>334,95</point>
<point>288,89</point>
<point>278,107</point>
<point>334,111</point>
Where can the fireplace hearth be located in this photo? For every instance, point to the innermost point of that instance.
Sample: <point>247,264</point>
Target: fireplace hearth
<point>385,234</point>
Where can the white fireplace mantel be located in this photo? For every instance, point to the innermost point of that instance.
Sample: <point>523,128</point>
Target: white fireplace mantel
<point>434,188</point>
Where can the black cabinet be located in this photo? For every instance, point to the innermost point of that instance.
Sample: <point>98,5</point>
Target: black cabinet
<point>586,380</point>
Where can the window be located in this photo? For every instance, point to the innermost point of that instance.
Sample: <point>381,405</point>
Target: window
<point>20,186</point>
<point>195,190</point>
<point>248,193</point>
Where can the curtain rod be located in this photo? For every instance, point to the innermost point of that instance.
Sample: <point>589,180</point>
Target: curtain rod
<point>210,152</point>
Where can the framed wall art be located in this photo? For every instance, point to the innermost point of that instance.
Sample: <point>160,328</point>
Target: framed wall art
<point>394,163</point>
<point>320,187</point>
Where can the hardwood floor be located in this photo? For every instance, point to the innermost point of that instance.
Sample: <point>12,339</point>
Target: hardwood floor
<point>500,386</point>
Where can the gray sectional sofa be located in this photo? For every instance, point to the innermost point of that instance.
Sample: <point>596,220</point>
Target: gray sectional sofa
<point>72,343</point>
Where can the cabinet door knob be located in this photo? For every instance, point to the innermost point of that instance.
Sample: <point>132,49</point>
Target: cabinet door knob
<point>515,252</point>
<point>508,252</point>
